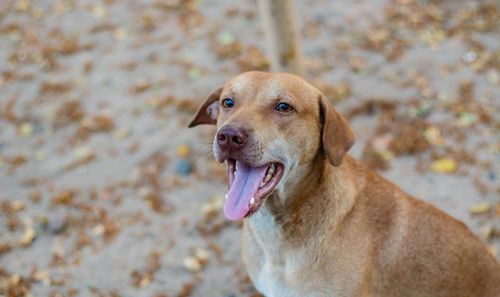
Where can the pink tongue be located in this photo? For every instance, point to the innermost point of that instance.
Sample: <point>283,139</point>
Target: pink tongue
<point>245,185</point>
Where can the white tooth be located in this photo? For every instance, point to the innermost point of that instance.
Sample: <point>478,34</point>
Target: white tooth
<point>267,178</point>
<point>262,184</point>
<point>273,168</point>
<point>226,197</point>
<point>252,201</point>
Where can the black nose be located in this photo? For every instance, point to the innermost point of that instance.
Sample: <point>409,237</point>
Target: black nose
<point>232,138</point>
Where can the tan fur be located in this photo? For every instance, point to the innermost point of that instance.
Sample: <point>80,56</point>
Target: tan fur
<point>331,227</point>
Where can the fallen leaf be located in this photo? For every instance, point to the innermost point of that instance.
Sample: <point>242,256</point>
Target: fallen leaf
<point>26,129</point>
<point>194,73</point>
<point>487,232</point>
<point>480,208</point>
<point>433,136</point>
<point>183,150</point>
<point>445,165</point>
<point>17,205</point>
<point>120,34</point>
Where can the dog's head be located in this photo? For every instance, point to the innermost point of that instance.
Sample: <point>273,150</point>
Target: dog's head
<point>268,126</point>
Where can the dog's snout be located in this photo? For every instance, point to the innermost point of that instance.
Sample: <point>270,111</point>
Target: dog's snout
<point>232,138</point>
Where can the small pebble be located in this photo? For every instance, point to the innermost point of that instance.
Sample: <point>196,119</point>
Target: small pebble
<point>28,236</point>
<point>184,167</point>
<point>192,264</point>
<point>56,223</point>
<point>201,255</point>
<point>98,230</point>
<point>492,175</point>
<point>469,57</point>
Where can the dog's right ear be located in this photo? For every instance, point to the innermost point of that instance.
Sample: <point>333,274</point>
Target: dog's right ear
<point>208,111</point>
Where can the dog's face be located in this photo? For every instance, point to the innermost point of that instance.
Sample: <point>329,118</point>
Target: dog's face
<point>268,124</point>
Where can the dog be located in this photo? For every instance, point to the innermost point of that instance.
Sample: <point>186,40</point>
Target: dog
<point>316,222</point>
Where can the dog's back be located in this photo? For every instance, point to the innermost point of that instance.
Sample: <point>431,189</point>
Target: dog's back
<point>421,251</point>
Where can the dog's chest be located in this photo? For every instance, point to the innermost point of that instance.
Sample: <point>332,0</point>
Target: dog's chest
<point>273,282</point>
<point>276,269</point>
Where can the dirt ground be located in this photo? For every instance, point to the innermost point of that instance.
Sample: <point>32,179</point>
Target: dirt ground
<point>105,192</point>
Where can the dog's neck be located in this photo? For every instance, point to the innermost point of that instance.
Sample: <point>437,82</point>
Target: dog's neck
<point>297,210</point>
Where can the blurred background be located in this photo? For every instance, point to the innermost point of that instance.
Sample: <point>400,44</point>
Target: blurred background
<point>105,192</point>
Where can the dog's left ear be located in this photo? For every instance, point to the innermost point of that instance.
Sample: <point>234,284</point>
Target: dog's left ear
<point>337,135</point>
<point>207,113</point>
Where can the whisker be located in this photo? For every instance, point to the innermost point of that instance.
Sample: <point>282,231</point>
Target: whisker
<point>204,142</point>
<point>205,154</point>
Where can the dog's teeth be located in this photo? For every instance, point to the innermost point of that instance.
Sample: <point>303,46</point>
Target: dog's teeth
<point>226,196</point>
<point>272,168</point>
<point>262,184</point>
<point>252,201</point>
<point>268,177</point>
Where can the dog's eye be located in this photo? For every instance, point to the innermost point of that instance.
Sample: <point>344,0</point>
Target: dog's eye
<point>227,103</point>
<point>283,107</point>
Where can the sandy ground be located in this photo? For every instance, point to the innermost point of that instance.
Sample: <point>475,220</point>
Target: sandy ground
<point>97,196</point>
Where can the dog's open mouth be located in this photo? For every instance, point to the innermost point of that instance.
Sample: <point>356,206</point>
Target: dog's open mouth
<point>248,187</point>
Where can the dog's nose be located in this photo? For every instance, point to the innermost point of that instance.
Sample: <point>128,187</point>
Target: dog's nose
<point>232,138</point>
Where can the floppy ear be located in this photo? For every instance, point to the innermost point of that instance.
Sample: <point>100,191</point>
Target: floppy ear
<point>337,135</point>
<point>208,111</point>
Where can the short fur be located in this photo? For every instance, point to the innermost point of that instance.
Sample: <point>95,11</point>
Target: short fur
<point>331,227</point>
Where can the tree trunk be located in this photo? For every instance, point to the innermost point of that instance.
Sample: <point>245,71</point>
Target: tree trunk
<point>282,35</point>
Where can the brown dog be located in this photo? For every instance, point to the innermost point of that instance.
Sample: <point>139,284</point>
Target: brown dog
<point>317,223</point>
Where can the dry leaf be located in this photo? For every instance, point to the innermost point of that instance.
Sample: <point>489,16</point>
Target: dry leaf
<point>480,208</point>
<point>445,165</point>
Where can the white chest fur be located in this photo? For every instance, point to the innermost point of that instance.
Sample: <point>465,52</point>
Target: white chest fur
<point>276,270</point>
